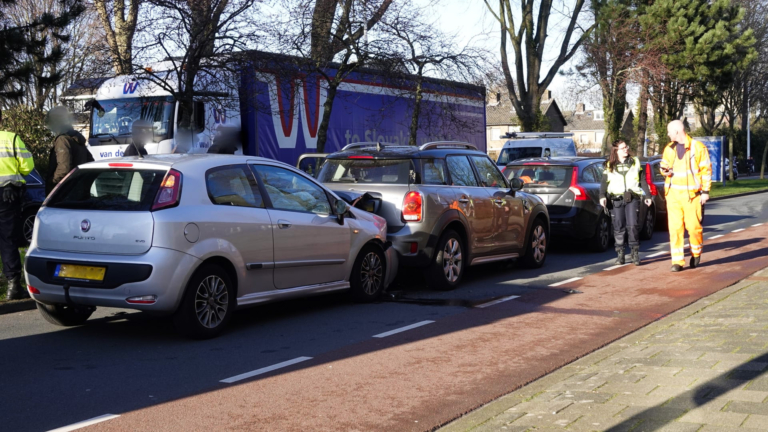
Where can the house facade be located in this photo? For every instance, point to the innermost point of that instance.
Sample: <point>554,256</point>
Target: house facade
<point>588,128</point>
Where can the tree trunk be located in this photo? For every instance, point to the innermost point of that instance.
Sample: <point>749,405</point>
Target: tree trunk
<point>642,118</point>
<point>322,131</point>
<point>762,166</point>
<point>416,111</point>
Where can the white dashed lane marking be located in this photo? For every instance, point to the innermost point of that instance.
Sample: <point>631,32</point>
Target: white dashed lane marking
<point>658,254</point>
<point>738,230</point>
<point>402,329</point>
<point>265,370</point>
<point>84,423</point>
<point>714,237</point>
<point>565,281</point>
<point>614,267</point>
<point>497,301</point>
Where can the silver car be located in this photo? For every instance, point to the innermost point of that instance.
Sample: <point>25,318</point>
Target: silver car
<point>198,237</point>
<point>447,206</point>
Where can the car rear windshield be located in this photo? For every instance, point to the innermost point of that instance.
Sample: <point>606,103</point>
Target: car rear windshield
<point>108,189</point>
<point>553,176</point>
<point>508,155</point>
<point>379,171</point>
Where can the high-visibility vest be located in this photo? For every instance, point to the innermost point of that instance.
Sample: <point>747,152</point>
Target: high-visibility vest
<point>692,173</point>
<point>624,177</point>
<point>15,160</point>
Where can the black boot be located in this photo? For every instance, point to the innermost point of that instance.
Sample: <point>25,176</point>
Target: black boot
<point>676,268</point>
<point>620,255</point>
<point>15,292</point>
<point>636,255</point>
<point>695,261</point>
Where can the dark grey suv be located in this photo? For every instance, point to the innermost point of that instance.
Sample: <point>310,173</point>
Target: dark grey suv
<point>447,205</point>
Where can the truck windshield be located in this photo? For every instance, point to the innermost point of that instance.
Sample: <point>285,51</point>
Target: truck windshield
<point>119,114</point>
<point>381,171</point>
<point>508,155</point>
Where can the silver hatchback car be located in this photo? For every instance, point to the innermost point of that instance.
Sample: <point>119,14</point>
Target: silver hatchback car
<point>198,237</point>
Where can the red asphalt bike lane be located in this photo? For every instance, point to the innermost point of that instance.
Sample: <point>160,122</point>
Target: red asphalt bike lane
<point>423,378</point>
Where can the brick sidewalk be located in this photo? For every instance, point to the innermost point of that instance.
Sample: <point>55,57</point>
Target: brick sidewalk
<point>702,368</point>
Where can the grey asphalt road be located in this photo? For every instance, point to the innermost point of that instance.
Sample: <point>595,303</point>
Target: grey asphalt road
<point>121,360</point>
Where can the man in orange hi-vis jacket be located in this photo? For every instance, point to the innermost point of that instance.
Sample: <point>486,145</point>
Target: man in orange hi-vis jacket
<point>688,169</point>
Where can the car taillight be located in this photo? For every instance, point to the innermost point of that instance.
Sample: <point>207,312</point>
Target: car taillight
<point>579,192</point>
<point>33,290</point>
<point>53,192</point>
<point>649,180</point>
<point>120,165</point>
<point>170,191</point>
<point>412,207</point>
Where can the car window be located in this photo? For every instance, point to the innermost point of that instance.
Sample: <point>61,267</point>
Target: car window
<point>657,175</point>
<point>363,170</point>
<point>590,174</point>
<point>433,172</point>
<point>549,176</point>
<point>510,154</point>
<point>290,191</point>
<point>108,189</point>
<point>461,171</point>
<point>488,173</point>
<point>233,185</point>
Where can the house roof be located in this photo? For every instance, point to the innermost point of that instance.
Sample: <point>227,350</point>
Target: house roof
<point>503,114</point>
<point>586,121</point>
<point>86,86</point>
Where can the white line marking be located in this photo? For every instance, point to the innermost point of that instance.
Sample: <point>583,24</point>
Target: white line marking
<point>738,230</point>
<point>614,267</point>
<point>565,281</point>
<point>265,370</point>
<point>402,329</point>
<point>497,301</point>
<point>84,423</point>
<point>658,254</point>
<point>714,237</point>
<point>757,224</point>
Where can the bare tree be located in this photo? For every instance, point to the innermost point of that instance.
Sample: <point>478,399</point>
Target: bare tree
<point>119,20</point>
<point>528,40</point>
<point>424,51</point>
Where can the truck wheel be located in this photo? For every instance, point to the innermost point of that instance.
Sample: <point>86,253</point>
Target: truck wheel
<point>447,268</point>
<point>601,241</point>
<point>207,305</point>
<point>538,241</point>
<point>65,315</point>
<point>368,272</point>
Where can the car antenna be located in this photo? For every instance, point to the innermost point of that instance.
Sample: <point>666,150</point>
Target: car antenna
<point>378,146</point>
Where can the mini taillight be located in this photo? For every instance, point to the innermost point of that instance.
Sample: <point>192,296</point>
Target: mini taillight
<point>412,207</point>
<point>579,192</point>
<point>148,299</point>
<point>361,157</point>
<point>121,165</point>
<point>170,191</point>
<point>33,290</point>
<point>649,180</point>
<point>414,247</point>
<point>53,192</point>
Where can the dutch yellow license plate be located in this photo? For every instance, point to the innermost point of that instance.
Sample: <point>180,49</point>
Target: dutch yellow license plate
<point>70,271</point>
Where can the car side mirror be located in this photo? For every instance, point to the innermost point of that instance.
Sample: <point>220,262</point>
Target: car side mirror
<point>341,209</point>
<point>515,185</point>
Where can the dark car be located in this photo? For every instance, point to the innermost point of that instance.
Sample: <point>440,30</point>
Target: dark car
<point>311,163</point>
<point>31,202</point>
<point>570,188</point>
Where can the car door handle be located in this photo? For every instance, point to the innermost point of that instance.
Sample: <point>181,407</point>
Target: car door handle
<point>283,224</point>
<point>463,200</point>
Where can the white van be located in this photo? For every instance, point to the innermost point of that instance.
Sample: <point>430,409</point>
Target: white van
<point>523,145</point>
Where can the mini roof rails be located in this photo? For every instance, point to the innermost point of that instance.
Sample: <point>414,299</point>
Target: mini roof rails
<point>447,144</point>
<point>521,135</point>
<point>378,145</point>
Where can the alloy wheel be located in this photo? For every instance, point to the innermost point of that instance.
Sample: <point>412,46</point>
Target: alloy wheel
<point>539,243</point>
<point>604,233</point>
<point>371,273</point>
<point>29,227</point>
<point>211,301</point>
<point>452,260</point>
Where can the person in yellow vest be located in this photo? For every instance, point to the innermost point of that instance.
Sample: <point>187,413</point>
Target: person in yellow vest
<point>622,184</point>
<point>688,171</point>
<point>15,162</point>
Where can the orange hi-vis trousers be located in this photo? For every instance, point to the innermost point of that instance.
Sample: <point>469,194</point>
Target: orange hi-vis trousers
<point>684,213</point>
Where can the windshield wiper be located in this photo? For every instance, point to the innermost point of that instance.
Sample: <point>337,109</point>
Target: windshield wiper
<point>105,134</point>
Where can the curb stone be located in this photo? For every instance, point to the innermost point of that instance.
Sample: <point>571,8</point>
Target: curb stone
<point>12,306</point>
<point>491,410</point>
<point>738,195</point>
